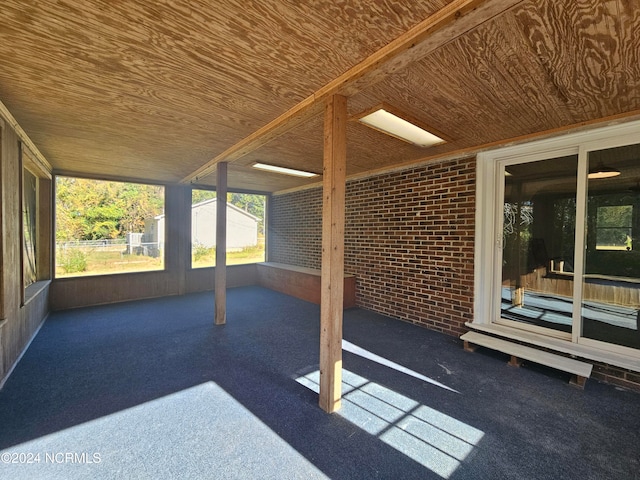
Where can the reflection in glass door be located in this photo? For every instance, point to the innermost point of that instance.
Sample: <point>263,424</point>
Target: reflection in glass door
<point>538,238</point>
<point>611,280</point>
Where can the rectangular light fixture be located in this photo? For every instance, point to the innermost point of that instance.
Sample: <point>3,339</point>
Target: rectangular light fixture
<point>391,124</point>
<point>284,170</point>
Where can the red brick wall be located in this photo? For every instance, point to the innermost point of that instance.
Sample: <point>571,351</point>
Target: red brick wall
<point>408,240</point>
<point>295,228</point>
<point>616,376</point>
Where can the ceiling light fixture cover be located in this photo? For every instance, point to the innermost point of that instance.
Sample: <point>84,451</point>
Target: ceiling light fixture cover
<point>284,170</point>
<point>603,172</point>
<point>385,121</point>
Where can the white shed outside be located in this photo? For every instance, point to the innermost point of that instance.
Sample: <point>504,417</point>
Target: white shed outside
<point>242,227</point>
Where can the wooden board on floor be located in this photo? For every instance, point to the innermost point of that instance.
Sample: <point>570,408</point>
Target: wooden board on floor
<point>581,369</point>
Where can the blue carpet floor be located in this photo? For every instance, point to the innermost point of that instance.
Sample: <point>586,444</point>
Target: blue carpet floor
<point>152,389</point>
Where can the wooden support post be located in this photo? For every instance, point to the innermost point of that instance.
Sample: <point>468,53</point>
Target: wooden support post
<point>515,361</point>
<point>221,245</point>
<point>469,347</point>
<point>332,287</point>
<point>578,381</point>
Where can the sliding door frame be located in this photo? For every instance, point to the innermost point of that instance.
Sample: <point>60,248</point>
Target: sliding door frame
<point>489,218</point>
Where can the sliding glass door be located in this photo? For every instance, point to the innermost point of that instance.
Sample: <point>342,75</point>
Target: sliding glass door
<point>538,244</point>
<point>568,245</point>
<point>611,280</point>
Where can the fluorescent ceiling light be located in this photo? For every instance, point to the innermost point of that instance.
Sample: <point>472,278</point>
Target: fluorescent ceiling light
<point>286,171</point>
<point>397,127</point>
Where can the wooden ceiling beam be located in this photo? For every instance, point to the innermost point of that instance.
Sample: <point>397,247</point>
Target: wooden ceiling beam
<point>444,26</point>
<point>293,117</point>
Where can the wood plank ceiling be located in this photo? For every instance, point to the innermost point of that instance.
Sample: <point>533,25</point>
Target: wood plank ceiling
<point>156,90</point>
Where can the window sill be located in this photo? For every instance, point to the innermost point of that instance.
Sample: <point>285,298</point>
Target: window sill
<point>582,351</point>
<point>107,275</point>
<point>34,290</point>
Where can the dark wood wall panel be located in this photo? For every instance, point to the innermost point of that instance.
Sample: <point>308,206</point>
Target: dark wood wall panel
<point>85,291</point>
<point>203,279</point>
<point>18,323</point>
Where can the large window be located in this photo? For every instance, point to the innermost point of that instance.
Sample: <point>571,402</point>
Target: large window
<point>105,227</point>
<point>557,223</point>
<point>245,228</point>
<point>614,227</point>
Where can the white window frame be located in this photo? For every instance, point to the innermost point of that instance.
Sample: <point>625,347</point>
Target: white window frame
<point>488,239</point>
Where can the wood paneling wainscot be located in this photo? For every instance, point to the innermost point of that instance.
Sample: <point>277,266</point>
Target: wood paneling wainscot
<point>18,322</point>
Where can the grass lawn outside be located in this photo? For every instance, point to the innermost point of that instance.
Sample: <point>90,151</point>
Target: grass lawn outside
<point>112,259</point>
<point>201,258</point>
